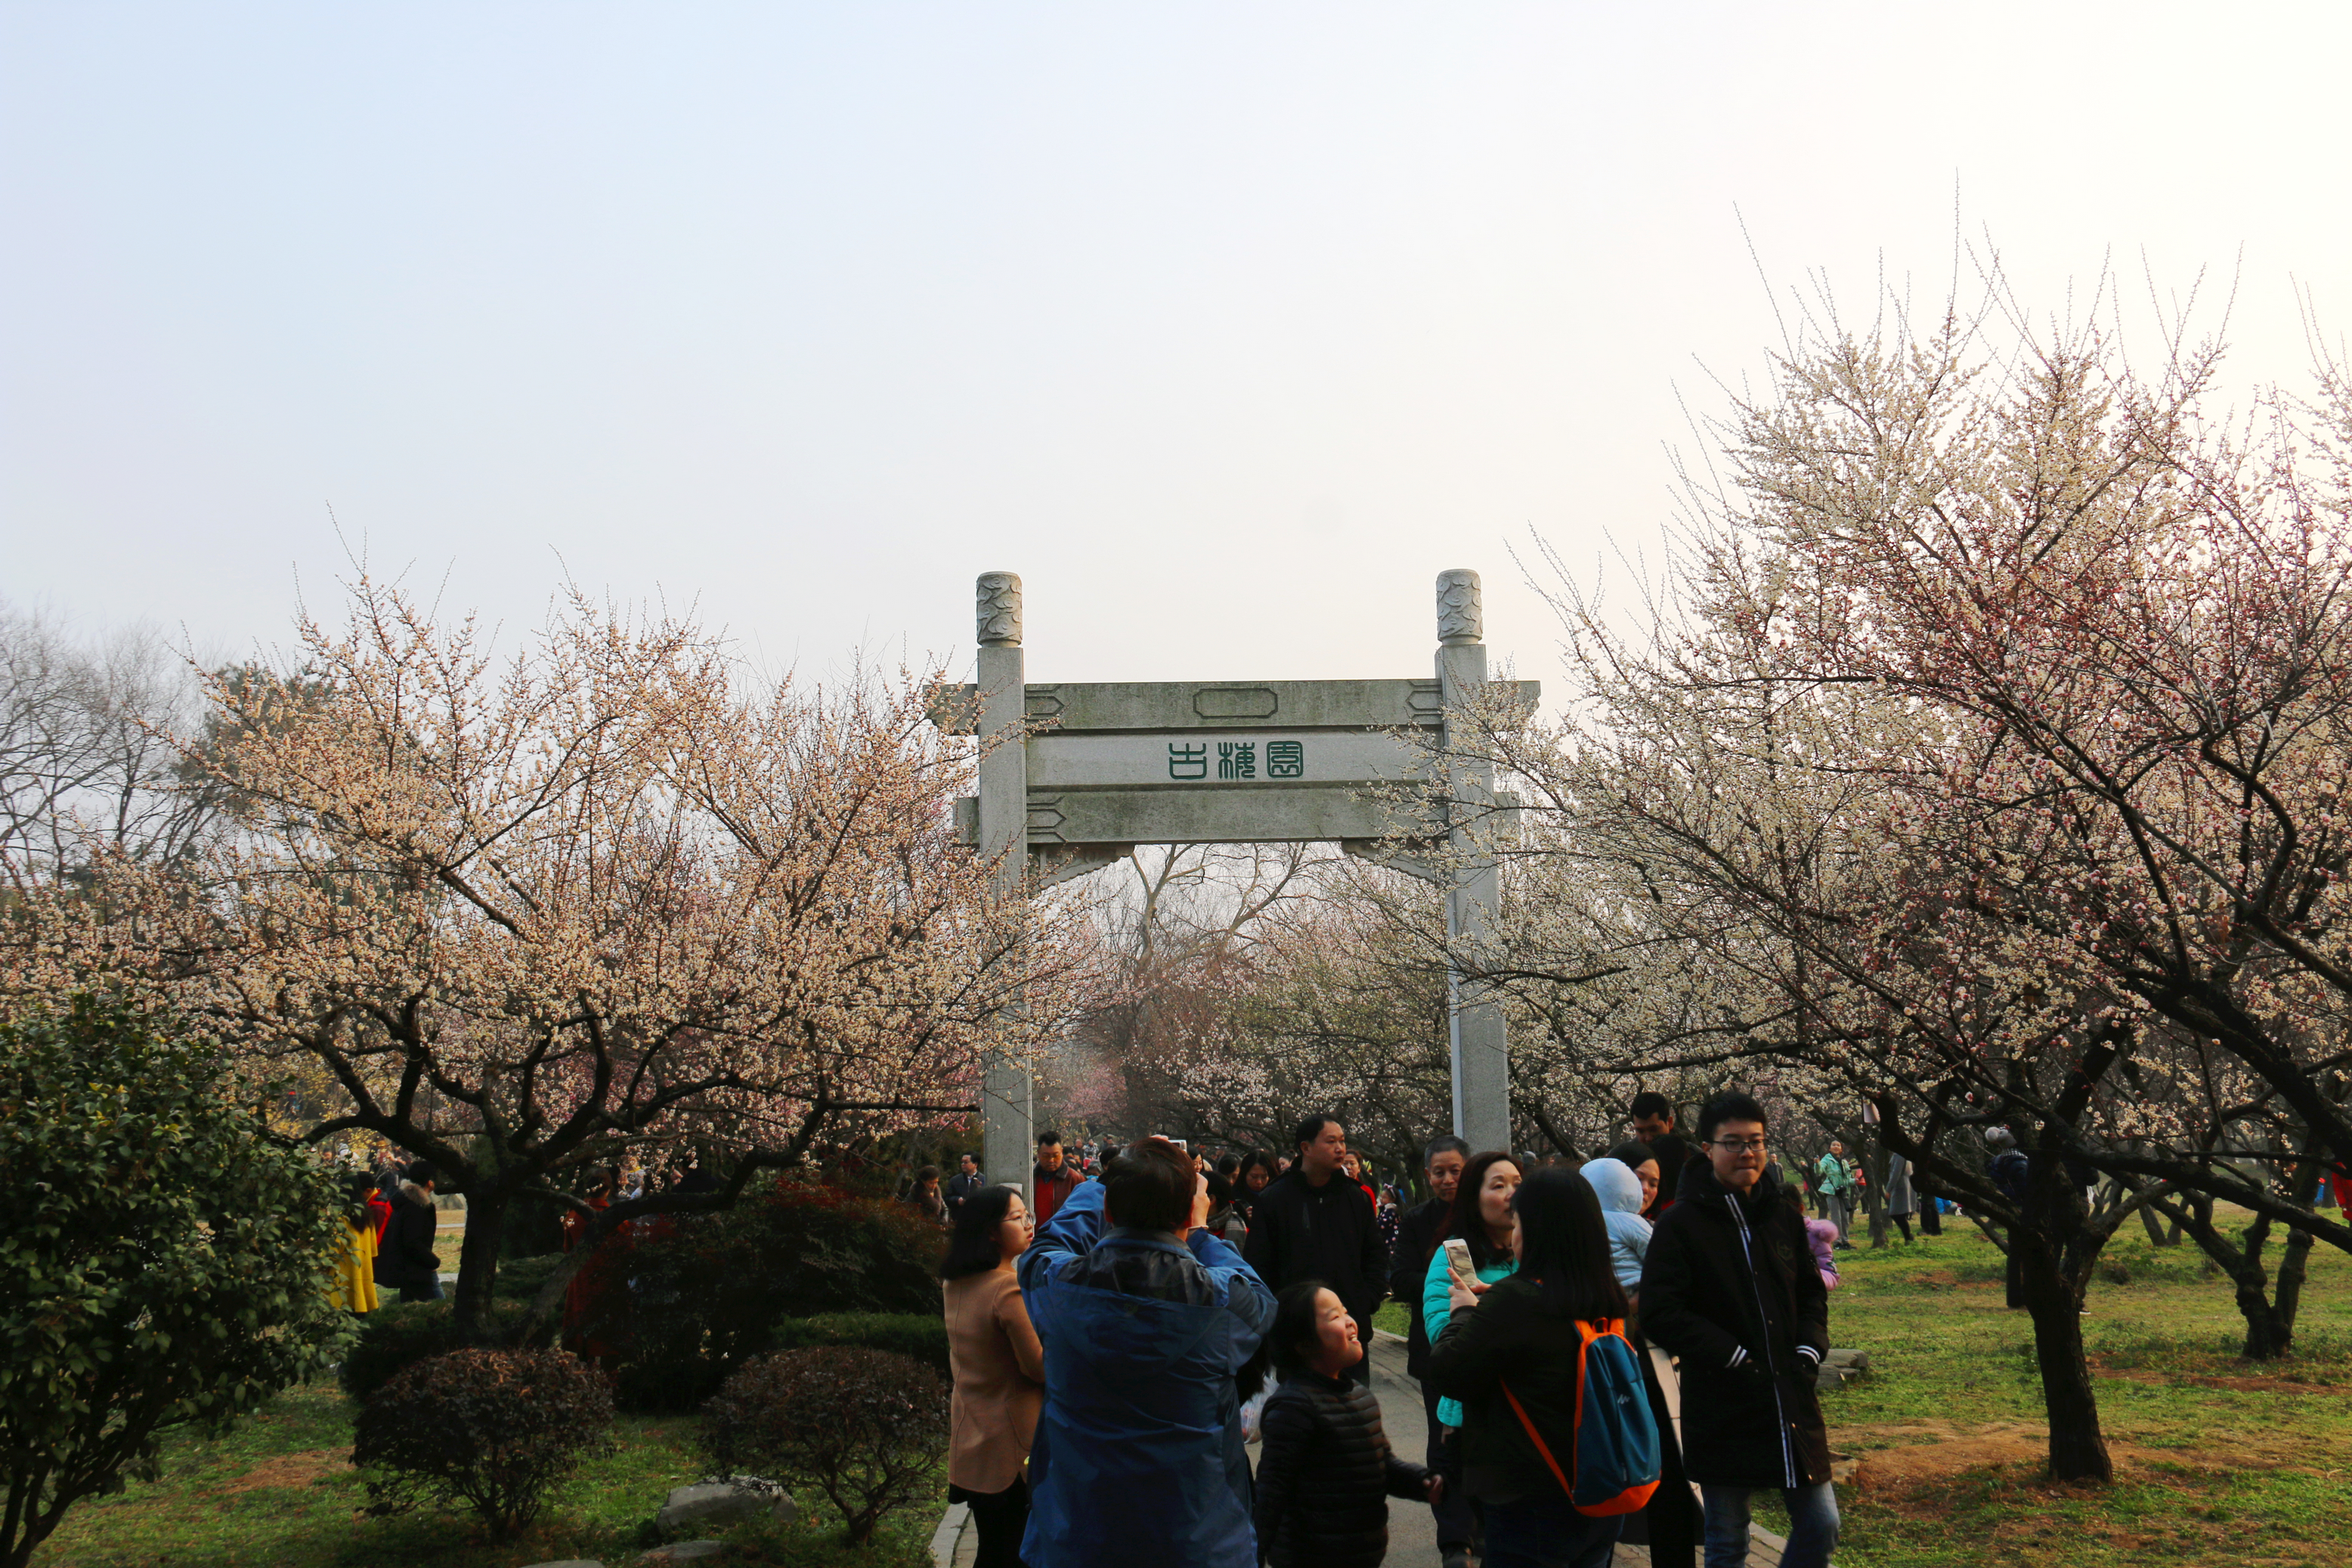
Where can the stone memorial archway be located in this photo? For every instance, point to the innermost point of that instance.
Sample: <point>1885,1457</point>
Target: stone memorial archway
<point>1117,764</point>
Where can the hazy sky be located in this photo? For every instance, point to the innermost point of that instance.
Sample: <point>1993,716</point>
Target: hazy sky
<point>1226,326</point>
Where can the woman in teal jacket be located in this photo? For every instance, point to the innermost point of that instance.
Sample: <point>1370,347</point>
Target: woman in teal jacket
<point>1482,1217</point>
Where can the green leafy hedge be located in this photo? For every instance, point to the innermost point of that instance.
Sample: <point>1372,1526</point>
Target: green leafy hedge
<point>675,1311</point>
<point>655,1385</point>
<point>396,1337</point>
<point>910,1334</point>
<point>519,1279</point>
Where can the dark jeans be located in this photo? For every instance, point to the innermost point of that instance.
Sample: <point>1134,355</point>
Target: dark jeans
<point>1547,1532</point>
<point>1813,1526</point>
<point>1456,1530</point>
<point>1903,1223</point>
<point>431,1292</point>
<point>1000,1519</point>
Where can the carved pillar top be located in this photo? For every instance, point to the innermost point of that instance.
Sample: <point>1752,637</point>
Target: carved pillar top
<point>1461,617</point>
<point>999,608</point>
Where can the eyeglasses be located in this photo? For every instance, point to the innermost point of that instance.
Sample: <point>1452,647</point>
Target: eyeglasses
<point>1740,1146</point>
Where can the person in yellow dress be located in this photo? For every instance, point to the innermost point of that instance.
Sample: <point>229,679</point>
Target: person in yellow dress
<point>353,1285</point>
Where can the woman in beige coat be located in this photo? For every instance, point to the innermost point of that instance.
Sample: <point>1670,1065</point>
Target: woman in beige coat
<point>1000,1370</point>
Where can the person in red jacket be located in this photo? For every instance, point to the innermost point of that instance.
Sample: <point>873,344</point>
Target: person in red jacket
<point>379,1207</point>
<point>1054,1178</point>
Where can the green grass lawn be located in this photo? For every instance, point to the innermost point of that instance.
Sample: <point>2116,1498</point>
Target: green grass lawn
<point>279,1493</point>
<point>2217,1461</point>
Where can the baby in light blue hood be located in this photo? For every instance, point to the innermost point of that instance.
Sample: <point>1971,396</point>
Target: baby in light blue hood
<point>1620,1191</point>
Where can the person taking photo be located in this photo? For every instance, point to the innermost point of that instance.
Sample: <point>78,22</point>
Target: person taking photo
<point>1146,1318</point>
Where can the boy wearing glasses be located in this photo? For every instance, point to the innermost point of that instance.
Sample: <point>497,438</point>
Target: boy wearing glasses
<point>1730,1288</point>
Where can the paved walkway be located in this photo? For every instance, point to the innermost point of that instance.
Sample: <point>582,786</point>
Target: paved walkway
<point>1412,1532</point>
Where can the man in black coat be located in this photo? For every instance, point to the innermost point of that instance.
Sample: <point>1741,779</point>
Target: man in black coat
<point>1315,1223</point>
<point>1730,1286</point>
<point>967,1183</point>
<point>406,1260</point>
<point>1418,1234</point>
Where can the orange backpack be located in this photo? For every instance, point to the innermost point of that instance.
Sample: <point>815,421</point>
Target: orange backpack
<point>1616,1452</point>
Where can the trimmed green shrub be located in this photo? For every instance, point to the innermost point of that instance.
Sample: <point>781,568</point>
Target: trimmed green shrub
<point>692,1302</point>
<point>164,1261</point>
<point>918,1337</point>
<point>639,1385</point>
<point>397,1336</point>
<point>519,1279</point>
<point>494,1429</point>
<point>866,1428</point>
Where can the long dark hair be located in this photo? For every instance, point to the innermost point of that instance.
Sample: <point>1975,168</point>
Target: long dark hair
<point>358,1188</point>
<point>972,1245</point>
<point>1462,1216</point>
<point>1564,1246</point>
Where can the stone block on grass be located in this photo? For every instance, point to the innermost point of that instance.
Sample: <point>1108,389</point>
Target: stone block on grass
<point>717,1504</point>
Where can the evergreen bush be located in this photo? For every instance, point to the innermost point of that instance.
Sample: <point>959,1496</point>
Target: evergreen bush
<point>165,1259</point>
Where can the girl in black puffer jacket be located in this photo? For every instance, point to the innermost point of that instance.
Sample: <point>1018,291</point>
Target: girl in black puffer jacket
<point>1326,1470</point>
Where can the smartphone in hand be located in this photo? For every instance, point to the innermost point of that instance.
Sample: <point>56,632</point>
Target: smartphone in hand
<point>1457,1258</point>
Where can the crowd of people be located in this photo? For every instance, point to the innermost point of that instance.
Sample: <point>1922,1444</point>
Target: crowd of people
<point>1125,1327</point>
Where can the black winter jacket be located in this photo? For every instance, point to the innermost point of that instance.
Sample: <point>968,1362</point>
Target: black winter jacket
<point>1417,1236</point>
<point>1511,1336</point>
<point>1730,1286</point>
<point>1323,1475</point>
<point>406,1260</point>
<point>1331,1233</point>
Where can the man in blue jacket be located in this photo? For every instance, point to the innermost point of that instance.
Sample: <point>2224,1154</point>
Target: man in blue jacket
<point>1139,1457</point>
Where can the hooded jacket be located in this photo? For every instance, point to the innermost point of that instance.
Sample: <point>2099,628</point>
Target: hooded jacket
<point>1137,1457</point>
<point>404,1259</point>
<point>1620,1191</point>
<point>1730,1288</point>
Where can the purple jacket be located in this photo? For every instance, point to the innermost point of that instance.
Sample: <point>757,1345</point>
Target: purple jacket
<point>1823,1236</point>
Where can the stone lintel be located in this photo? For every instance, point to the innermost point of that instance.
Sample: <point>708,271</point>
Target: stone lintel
<point>1225,705</point>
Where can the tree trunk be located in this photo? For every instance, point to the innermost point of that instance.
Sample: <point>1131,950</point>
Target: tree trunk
<point>478,1262</point>
<point>2293,1262</point>
<point>2154,1224</point>
<point>2269,1322</point>
<point>2265,1336</point>
<point>2078,1451</point>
